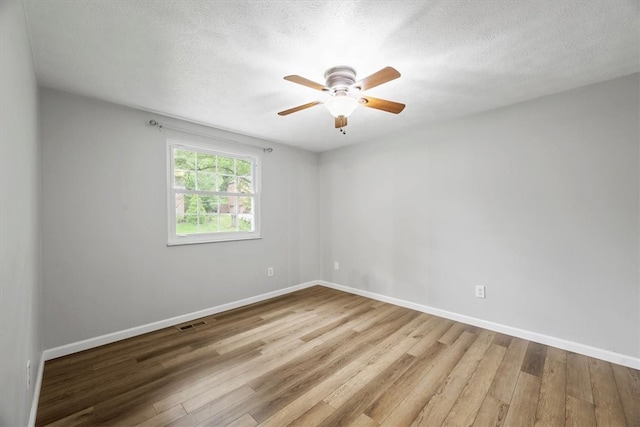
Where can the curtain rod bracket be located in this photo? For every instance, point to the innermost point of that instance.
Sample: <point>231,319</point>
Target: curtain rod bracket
<point>155,123</point>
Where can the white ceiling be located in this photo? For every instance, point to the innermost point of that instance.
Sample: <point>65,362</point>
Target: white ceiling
<point>223,63</point>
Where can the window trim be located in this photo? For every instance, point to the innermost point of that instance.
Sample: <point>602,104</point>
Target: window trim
<point>220,150</point>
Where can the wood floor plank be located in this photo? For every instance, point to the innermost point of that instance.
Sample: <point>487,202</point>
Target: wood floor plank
<point>290,371</point>
<point>56,407</point>
<point>439,406</point>
<point>522,409</point>
<point>502,340</point>
<point>557,354</point>
<point>319,373</point>
<point>380,408</point>
<point>164,418</point>
<point>628,383</point>
<point>492,412</point>
<point>284,386</point>
<point>207,414</point>
<point>240,374</point>
<point>390,350</point>
<point>131,418</point>
<point>319,356</point>
<point>552,401</point>
<point>453,333</point>
<point>244,421</point>
<point>231,343</point>
<point>80,418</point>
<point>606,399</point>
<point>419,396</point>
<point>314,416</point>
<point>580,413</point>
<point>438,328</point>
<point>307,400</point>
<point>362,314</point>
<point>364,421</point>
<point>465,409</point>
<point>158,388</point>
<point>534,359</point>
<point>578,377</point>
<point>211,387</point>
<point>349,407</point>
<point>507,375</point>
<point>316,394</point>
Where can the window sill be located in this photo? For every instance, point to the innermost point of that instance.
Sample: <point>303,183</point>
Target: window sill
<point>223,240</point>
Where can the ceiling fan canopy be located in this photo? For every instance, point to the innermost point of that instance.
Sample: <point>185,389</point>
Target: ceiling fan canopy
<point>345,92</point>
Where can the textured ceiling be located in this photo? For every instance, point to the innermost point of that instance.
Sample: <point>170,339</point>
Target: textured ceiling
<point>223,63</point>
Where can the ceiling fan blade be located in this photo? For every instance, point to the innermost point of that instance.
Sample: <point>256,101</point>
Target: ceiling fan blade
<point>306,82</point>
<point>341,121</point>
<point>298,108</point>
<point>385,75</point>
<point>381,104</point>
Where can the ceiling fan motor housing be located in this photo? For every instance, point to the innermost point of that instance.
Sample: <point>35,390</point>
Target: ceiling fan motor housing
<point>340,77</point>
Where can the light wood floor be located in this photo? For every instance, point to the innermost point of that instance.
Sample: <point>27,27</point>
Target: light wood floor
<point>324,357</point>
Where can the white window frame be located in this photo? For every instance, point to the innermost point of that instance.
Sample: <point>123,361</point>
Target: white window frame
<point>219,150</point>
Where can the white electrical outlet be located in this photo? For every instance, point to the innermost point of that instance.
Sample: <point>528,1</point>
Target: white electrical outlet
<point>28,374</point>
<point>336,265</point>
<point>480,291</point>
<point>270,271</point>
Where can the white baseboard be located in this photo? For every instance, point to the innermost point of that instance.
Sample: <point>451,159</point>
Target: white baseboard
<point>609,356</point>
<point>75,347</point>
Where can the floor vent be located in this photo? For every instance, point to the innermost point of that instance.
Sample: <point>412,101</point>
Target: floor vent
<point>192,325</point>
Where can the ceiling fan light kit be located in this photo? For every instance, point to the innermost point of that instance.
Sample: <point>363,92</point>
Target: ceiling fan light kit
<point>344,93</point>
<point>341,104</point>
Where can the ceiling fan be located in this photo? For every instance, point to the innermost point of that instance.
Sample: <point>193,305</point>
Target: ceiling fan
<point>345,93</point>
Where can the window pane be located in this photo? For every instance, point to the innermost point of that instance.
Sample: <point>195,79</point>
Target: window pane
<point>205,170</point>
<point>245,214</point>
<point>179,181</point>
<point>227,183</point>
<point>210,204</point>
<point>243,167</point>
<point>206,181</point>
<point>195,211</point>
<point>226,165</point>
<point>196,214</point>
<point>209,224</point>
<point>206,162</point>
<point>180,208</point>
<point>188,226</point>
<point>212,225</point>
<point>225,223</point>
<point>233,205</point>
<point>245,205</point>
<point>184,169</point>
<point>184,159</point>
<point>244,185</point>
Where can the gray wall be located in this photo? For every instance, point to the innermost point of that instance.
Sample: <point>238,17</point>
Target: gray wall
<point>106,263</point>
<point>20,279</point>
<point>539,202</point>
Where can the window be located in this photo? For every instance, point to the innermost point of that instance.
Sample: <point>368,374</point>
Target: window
<point>213,194</point>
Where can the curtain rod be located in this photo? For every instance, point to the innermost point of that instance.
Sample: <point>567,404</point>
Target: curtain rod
<point>161,125</point>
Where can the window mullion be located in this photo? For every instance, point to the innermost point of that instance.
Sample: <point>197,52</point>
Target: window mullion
<point>212,193</point>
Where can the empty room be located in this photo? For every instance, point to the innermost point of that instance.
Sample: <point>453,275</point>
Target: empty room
<point>319,213</point>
